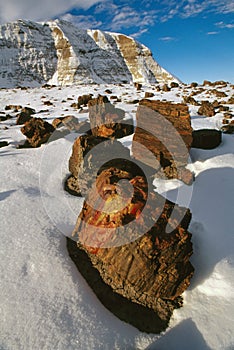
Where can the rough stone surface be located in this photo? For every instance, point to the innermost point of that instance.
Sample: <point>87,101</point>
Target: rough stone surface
<point>25,115</point>
<point>108,121</point>
<point>84,99</point>
<point>71,123</point>
<point>206,109</point>
<point>90,155</point>
<point>141,317</point>
<point>228,129</point>
<point>153,269</point>
<point>206,138</point>
<point>170,148</point>
<point>37,131</point>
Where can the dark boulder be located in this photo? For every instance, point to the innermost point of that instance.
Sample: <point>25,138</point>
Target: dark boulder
<point>206,138</point>
<point>37,131</point>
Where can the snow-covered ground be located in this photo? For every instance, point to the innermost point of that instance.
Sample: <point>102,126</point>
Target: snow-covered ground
<point>44,302</point>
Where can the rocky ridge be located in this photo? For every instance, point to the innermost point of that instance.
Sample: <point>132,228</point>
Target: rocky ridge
<point>57,52</point>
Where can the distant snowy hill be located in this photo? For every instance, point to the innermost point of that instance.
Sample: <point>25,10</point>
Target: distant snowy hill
<point>59,53</point>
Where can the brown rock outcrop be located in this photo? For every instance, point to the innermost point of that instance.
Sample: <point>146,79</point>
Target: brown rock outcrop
<point>164,128</point>
<point>37,131</point>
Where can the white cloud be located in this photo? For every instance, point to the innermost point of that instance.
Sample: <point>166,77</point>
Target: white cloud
<point>167,38</point>
<point>127,17</point>
<point>190,8</point>
<point>139,33</point>
<point>38,10</point>
<point>212,33</point>
<point>224,25</point>
<point>81,21</point>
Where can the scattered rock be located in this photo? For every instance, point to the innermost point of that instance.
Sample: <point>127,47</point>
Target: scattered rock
<point>190,100</point>
<point>223,108</point>
<point>84,99</point>
<point>193,85</point>
<point>5,117</point>
<point>206,109</point>
<point>149,94</point>
<point>228,115</point>
<point>107,91</point>
<point>166,88</point>
<point>174,85</point>
<point>216,104</point>
<point>230,100</point>
<point>25,115</point>
<point>3,144</point>
<point>138,86</point>
<point>206,138</point>
<point>219,93</point>
<point>228,129</point>
<point>207,82</point>
<point>48,103</point>
<point>37,131</point>
<point>74,105</point>
<point>133,102</point>
<point>15,108</point>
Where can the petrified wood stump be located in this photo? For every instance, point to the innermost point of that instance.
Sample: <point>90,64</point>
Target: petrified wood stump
<point>164,128</point>
<point>143,256</point>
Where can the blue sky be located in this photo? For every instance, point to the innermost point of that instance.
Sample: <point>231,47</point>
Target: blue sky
<point>192,39</point>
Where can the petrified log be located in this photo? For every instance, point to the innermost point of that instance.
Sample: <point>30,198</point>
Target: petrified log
<point>164,129</point>
<point>37,131</point>
<point>206,138</point>
<point>108,121</point>
<point>137,240</point>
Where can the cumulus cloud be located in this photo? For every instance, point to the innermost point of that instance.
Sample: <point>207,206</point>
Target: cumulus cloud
<point>38,9</point>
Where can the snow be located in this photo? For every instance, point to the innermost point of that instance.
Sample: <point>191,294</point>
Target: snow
<point>44,302</point>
